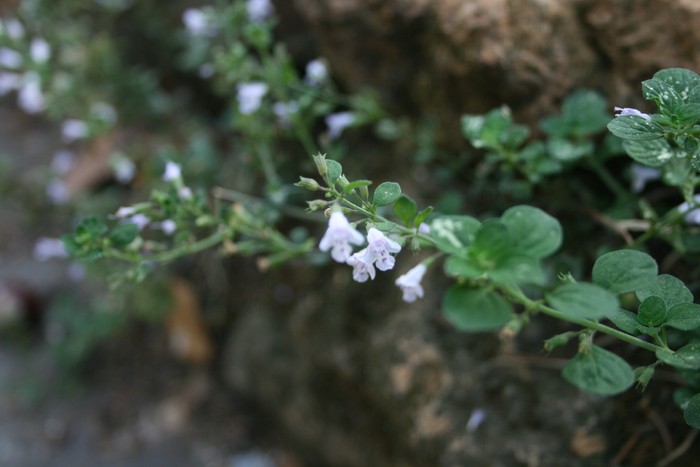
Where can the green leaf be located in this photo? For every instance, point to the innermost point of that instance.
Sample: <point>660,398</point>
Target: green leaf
<point>684,316</point>
<point>691,413</point>
<point>634,128</point>
<point>517,269</point>
<point>687,114</point>
<point>475,309</point>
<point>405,209</point>
<point>624,271</point>
<point>422,216</point>
<point>386,193</point>
<point>90,227</point>
<point>462,267</point>
<point>687,357</point>
<point>335,170</point>
<point>565,150</point>
<point>123,234</point>
<point>485,131</point>
<point>652,311</point>
<point>653,153</point>
<point>583,300</point>
<point>586,111</point>
<point>625,320</point>
<point>682,80</point>
<point>662,93</point>
<point>599,371</point>
<point>355,185</point>
<point>514,136</point>
<point>453,234</point>
<point>532,231</point>
<point>671,289</point>
<point>491,241</point>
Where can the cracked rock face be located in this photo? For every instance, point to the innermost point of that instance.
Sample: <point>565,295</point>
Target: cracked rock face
<point>447,57</point>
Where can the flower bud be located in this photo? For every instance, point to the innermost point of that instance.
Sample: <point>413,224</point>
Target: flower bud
<point>558,340</point>
<point>320,161</point>
<point>308,184</point>
<point>317,205</point>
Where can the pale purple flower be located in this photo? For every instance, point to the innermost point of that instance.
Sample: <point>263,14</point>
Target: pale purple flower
<point>284,111</point>
<point>361,268</point>
<point>39,50</point>
<point>692,216</point>
<point>198,23</point>
<point>379,249</point>
<point>423,228</point>
<point>339,236</point>
<point>624,111</point>
<point>125,211</point>
<point>63,161</point>
<point>57,191</point>
<point>476,418</point>
<point>141,220</point>
<point>10,58</point>
<point>76,272</point>
<point>316,72</point>
<point>47,248</point>
<point>30,98</point>
<point>73,129</point>
<point>641,175</point>
<point>172,172</point>
<point>123,168</point>
<point>13,28</point>
<point>410,283</point>
<point>338,122</point>
<point>259,10</point>
<point>185,192</point>
<point>9,82</point>
<point>250,96</point>
<point>168,226</point>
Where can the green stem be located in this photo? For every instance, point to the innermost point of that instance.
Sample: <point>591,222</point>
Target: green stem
<point>517,296</point>
<point>166,256</point>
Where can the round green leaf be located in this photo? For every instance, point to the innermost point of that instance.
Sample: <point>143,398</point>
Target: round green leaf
<point>691,413</point>
<point>123,234</point>
<point>671,289</point>
<point>453,234</point>
<point>687,357</point>
<point>624,271</point>
<point>654,153</point>
<point>652,311</point>
<point>583,300</point>
<point>634,128</point>
<point>475,309</point>
<point>405,209</point>
<point>386,193</point>
<point>532,231</point>
<point>684,316</point>
<point>599,371</point>
<point>335,170</point>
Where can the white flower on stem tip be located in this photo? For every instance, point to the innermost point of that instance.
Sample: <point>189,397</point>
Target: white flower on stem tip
<point>692,216</point>
<point>339,236</point>
<point>379,249</point>
<point>73,129</point>
<point>316,72</point>
<point>624,111</point>
<point>284,111</point>
<point>642,174</point>
<point>48,248</point>
<point>198,23</point>
<point>123,168</point>
<point>13,28</point>
<point>125,211</point>
<point>30,98</point>
<point>39,50</point>
<point>361,268</point>
<point>250,96</point>
<point>141,220</point>
<point>185,192</point>
<point>259,10</point>
<point>172,172</point>
<point>338,122</point>
<point>410,283</point>
<point>168,226</point>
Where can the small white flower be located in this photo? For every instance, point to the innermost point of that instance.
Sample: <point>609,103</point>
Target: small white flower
<point>259,10</point>
<point>339,236</point>
<point>250,96</point>
<point>57,191</point>
<point>641,175</point>
<point>48,248</point>
<point>692,216</point>
<point>30,98</point>
<point>410,283</point>
<point>185,192</point>
<point>172,172</point>
<point>316,72</point>
<point>123,169</point>
<point>73,129</point>
<point>361,268</point>
<point>125,211</point>
<point>423,228</point>
<point>198,23</point>
<point>284,111</point>
<point>9,82</point>
<point>379,249</point>
<point>141,220</point>
<point>476,419</point>
<point>168,226</point>
<point>338,122</point>
<point>39,50</point>
<point>63,160</point>
<point>624,111</point>
<point>13,28</point>
<point>10,58</point>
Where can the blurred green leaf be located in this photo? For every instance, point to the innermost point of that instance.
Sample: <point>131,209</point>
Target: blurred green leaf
<point>599,371</point>
<point>583,300</point>
<point>475,309</point>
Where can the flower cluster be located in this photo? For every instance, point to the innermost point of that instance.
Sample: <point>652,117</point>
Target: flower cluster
<point>378,254</point>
